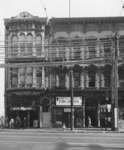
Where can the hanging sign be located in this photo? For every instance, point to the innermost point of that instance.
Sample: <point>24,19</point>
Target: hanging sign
<point>66,101</point>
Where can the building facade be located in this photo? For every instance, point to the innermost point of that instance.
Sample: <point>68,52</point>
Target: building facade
<point>41,55</point>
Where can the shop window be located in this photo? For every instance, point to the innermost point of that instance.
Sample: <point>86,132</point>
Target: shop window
<point>76,79</point>
<point>14,77</point>
<point>91,78</point>
<point>29,77</point>
<point>38,77</point>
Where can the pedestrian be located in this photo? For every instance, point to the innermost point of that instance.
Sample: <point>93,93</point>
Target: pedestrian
<point>64,127</point>
<point>106,123</point>
<point>6,122</point>
<point>89,122</point>
<point>18,122</point>
<point>24,123</point>
<point>11,123</point>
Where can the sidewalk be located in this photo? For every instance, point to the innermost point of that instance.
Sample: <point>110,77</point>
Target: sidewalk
<point>60,130</point>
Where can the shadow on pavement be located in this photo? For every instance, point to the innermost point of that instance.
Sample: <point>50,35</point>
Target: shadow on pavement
<point>65,146</point>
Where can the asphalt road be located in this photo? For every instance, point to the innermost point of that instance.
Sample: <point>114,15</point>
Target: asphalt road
<point>36,140</point>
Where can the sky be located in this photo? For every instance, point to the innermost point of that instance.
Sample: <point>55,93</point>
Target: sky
<point>54,8</point>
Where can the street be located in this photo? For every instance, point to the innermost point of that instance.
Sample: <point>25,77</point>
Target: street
<point>38,140</point>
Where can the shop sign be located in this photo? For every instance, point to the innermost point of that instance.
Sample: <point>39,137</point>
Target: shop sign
<point>21,108</point>
<point>67,110</point>
<point>66,101</point>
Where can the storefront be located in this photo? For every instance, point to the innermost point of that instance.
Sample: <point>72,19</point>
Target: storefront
<point>27,112</point>
<point>62,112</point>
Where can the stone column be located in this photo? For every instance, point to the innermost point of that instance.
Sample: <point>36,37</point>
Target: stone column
<point>40,118</point>
<point>102,80</point>
<point>82,53</point>
<point>82,79</point>
<point>57,79</point>
<point>18,44</point>
<point>97,80</point>
<point>43,42</point>
<point>67,82</point>
<point>67,53</point>
<point>43,77</point>
<point>34,77</point>
<point>98,114</point>
<point>83,104</point>
<point>86,79</point>
<point>18,78</point>
<point>34,44</point>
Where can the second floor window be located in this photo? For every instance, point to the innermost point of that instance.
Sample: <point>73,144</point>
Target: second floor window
<point>22,44</point>
<point>62,80</point>
<point>107,78</point>
<point>91,78</point>
<point>29,77</point>
<point>38,77</point>
<point>38,45</point>
<point>14,77</point>
<point>91,43</point>
<point>29,45</point>
<point>76,79</point>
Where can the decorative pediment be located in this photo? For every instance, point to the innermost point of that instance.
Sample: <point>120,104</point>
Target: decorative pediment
<point>24,15</point>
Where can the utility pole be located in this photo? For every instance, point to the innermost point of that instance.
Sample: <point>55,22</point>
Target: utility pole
<point>115,84</point>
<point>71,78</point>
<point>72,99</point>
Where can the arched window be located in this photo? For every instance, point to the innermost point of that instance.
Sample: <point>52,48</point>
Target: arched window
<point>22,44</point>
<point>38,45</point>
<point>107,78</point>
<point>91,78</point>
<point>29,45</point>
<point>76,79</point>
<point>14,49</point>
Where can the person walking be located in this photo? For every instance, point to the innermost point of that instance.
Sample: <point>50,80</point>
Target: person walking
<point>24,123</point>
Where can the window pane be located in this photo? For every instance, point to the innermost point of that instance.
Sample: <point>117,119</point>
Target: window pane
<point>91,76</point>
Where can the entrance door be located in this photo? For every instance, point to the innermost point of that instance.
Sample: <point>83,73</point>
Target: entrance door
<point>67,119</point>
<point>46,119</point>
